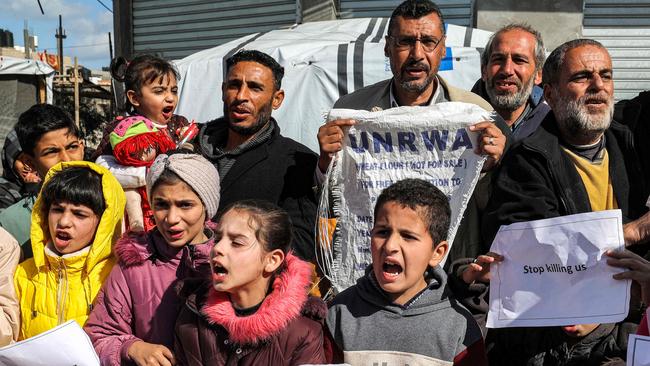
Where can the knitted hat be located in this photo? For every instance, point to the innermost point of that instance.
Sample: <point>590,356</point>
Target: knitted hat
<point>193,169</point>
<point>129,127</point>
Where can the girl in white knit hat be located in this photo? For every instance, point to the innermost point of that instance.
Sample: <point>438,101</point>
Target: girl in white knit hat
<point>134,315</point>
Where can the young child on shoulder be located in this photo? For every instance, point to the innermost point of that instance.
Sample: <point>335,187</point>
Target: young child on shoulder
<point>74,224</point>
<point>134,315</point>
<point>402,311</point>
<point>256,310</point>
<point>151,89</point>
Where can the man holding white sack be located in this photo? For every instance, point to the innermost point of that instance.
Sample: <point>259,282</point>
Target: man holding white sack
<point>415,46</point>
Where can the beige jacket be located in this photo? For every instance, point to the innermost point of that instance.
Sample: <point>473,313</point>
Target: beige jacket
<point>378,95</point>
<point>10,315</point>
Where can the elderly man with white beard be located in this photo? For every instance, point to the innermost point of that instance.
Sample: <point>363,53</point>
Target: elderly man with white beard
<point>579,159</point>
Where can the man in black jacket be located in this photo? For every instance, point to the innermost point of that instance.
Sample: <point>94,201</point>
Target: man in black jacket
<point>579,160</point>
<point>253,159</point>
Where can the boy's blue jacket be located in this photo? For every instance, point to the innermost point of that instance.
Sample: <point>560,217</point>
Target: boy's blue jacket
<point>434,329</point>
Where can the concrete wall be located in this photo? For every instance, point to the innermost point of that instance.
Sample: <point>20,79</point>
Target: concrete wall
<point>557,20</point>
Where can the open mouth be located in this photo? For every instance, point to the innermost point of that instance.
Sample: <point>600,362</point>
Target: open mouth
<point>167,112</point>
<point>595,101</point>
<point>240,112</point>
<point>62,238</point>
<point>175,234</point>
<point>413,71</point>
<point>391,268</point>
<point>218,273</point>
<point>507,84</point>
<point>219,270</point>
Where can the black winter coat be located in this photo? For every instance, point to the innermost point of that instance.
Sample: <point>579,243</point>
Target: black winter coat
<point>279,170</point>
<point>550,346</point>
<point>537,180</point>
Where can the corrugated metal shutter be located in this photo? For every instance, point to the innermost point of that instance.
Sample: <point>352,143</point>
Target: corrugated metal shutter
<point>174,29</point>
<point>316,10</point>
<point>457,12</point>
<point>623,26</point>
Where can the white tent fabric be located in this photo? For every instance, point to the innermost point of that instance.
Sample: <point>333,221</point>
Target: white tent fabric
<point>322,61</point>
<point>19,66</point>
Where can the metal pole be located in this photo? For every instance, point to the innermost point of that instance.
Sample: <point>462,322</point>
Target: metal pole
<point>110,46</point>
<point>76,92</point>
<point>28,46</point>
<point>60,36</point>
<point>110,88</point>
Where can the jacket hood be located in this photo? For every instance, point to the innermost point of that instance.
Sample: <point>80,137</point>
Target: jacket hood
<point>283,304</point>
<point>10,152</point>
<point>108,228</point>
<point>131,249</point>
<point>433,298</point>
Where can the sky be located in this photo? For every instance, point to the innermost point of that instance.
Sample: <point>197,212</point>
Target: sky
<point>85,22</point>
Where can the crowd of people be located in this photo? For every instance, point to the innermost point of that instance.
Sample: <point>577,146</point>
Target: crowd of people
<point>174,249</point>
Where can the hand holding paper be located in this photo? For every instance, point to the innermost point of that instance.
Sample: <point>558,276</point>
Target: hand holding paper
<point>479,270</point>
<point>554,273</point>
<point>638,269</point>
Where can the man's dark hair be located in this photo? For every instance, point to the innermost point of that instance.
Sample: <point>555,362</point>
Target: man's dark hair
<point>416,9</point>
<point>262,59</point>
<point>39,120</point>
<point>76,184</point>
<point>423,197</point>
<point>555,61</point>
<point>540,52</point>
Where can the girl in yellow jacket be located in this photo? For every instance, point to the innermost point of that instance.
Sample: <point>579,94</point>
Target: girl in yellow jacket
<point>75,221</point>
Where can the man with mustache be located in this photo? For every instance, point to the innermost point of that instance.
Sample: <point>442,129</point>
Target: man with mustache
<point>579,159</point>
<point>511,66</point>
<point>415,46</point>
<point>253,159</point>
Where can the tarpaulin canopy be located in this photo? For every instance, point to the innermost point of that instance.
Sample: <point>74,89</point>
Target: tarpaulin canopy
<point>20,66</point>
<point>20,80</point>
<point>322,61</point>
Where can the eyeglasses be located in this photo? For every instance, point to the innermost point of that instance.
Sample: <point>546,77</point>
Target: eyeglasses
<point>402,43</point>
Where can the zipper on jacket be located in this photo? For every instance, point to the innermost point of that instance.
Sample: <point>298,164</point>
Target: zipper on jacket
<point>192,253</point>
<point>61,292</point>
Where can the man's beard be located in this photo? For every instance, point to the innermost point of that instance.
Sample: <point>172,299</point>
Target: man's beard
<point>416,86</point>
<point>577,120</point>
<point>512,101</point>
<point>262,120</point>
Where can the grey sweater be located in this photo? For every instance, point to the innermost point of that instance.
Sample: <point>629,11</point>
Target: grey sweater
<point>432,329</point>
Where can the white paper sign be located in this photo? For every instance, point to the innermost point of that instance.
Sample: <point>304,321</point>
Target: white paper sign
<point>65,345</point>
<point>638,350</point>
<point>430,143</point>
<point>555,273</point>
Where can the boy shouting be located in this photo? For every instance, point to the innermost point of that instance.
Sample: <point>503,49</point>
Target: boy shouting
<point>402,312</point>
